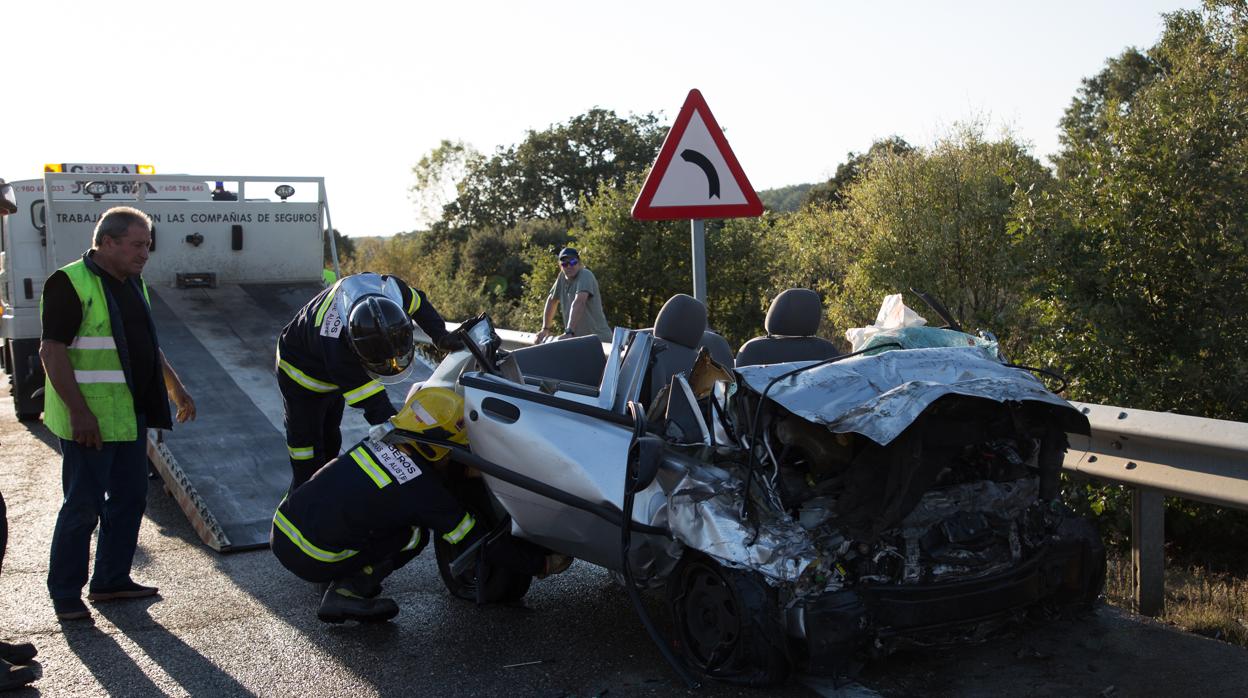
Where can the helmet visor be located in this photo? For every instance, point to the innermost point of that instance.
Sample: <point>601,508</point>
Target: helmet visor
<point>391,371</point>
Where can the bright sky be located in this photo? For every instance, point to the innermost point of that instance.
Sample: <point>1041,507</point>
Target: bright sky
<point>358,91</point>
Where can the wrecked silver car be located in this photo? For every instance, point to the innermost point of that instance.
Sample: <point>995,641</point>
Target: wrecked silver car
<point>800,515</point>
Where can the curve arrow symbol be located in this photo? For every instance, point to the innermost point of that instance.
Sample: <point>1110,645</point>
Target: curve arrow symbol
<point>693,157</point>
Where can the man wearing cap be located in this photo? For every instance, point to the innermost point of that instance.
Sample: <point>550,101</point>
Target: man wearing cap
<point>576,292</point>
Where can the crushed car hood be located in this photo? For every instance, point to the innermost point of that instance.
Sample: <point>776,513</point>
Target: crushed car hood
<point>879,396</point>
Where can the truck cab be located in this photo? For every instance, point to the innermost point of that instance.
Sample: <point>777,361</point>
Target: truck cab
<point>22,272</point>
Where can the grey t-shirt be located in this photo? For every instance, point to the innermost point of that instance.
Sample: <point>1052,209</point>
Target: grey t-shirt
<point>593,321</point>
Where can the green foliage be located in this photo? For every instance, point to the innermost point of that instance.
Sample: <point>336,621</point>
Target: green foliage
<point>1125,269</point>
<point>831,194</point>
<point>639,264</point>
<point>936,220</point>
<point>545,176</point>
<point>438,173</point>
<point>1146,294</point>
<point>344,245</point>
<point>785,199</point>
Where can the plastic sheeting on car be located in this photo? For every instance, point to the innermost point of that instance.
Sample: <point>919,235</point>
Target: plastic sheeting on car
<point>879,396</point>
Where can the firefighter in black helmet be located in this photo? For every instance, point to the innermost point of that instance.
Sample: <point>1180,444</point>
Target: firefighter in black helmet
<point>339,350</point>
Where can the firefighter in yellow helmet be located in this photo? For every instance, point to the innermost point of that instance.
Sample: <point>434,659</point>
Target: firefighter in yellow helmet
<point>370,511</point>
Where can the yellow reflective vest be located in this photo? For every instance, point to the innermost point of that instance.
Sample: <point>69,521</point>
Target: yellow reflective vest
<point>97,365</point>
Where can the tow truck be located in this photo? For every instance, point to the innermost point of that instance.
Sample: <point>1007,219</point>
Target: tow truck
<point>233,257</point>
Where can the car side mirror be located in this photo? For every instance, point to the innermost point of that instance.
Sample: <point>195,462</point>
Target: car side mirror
<point>644,456</point>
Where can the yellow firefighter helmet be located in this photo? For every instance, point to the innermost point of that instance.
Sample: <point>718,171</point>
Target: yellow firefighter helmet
<point>437,413</point>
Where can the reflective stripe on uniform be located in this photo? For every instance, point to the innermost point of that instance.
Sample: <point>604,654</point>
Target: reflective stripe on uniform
<point>363,392</point>
<point>316,386</point>
<point>285,526</point>
<point>300,452</point>
<point>100,376</point>
<point>414,541</point>
<point>324,307</point>
<point>415,303</point>
<point>370,467</point>
<point>465,525</point>
<point>93,343</point>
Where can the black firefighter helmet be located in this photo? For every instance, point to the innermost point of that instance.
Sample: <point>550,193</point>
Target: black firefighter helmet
<point>381,336</point>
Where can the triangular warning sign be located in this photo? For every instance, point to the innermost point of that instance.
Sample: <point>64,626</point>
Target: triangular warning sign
<point>696,175</point>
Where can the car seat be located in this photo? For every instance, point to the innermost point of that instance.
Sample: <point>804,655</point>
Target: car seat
<point>578,360</point>
<point>791,323</point>
<point>678,331</point>
<point>718,347</point>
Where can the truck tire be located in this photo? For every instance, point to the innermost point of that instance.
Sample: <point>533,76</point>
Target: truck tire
<point>727,623</point>
<point>26,377</point>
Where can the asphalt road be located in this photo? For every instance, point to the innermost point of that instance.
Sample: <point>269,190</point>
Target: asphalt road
<point>239,624</point>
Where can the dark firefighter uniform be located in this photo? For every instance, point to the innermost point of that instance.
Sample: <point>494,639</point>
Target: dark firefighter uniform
<point>318,373</point>
<point>372,505</point>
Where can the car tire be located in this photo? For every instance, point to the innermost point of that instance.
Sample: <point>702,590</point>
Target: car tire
<point>727,623</point>
<point>472,493</point>
<point>514,585</point>
<point>1081,595</point>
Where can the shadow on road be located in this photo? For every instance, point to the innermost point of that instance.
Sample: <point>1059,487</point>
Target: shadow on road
<point>183,663</point>
<point>108,661</point>
<point>257,573</point>
<point>39,431</point>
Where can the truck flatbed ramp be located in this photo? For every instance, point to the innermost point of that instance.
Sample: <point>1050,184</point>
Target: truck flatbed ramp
<point>229,468</point>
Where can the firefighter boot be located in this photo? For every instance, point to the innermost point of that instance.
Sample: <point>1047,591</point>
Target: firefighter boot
<point>367,582</point>
<point>342,602</point>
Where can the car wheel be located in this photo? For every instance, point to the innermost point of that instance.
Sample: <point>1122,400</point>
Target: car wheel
<point>513,585</point>
<point>727,623</point>
<point>1083,585</point>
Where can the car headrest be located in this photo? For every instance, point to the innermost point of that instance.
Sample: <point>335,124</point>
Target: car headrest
<point>794,313</point>
<point>682,320</point>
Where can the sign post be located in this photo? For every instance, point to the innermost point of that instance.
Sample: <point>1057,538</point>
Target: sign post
<point>706,181</point>
<point>698,242</point>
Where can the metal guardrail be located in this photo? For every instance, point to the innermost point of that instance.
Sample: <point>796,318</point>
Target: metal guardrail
<point>1156,454</point>
<point>1159,455</point>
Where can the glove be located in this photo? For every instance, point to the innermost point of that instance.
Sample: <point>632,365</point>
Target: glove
<point>449,343</point>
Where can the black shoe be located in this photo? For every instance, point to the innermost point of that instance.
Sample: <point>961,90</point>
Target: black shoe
<point>20,653</point>
<point>341,604</point>
<point>367,582</point>
<point>126,590</point>
<point>12,677</point>
<point>70,609</point>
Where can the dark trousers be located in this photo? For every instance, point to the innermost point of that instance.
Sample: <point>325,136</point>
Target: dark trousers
<point>108,487</point>
<point>384,549</point>
<point>4,530</point>
<point>313,421</point>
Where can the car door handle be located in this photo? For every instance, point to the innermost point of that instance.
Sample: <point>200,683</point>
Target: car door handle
<point>500,410</point>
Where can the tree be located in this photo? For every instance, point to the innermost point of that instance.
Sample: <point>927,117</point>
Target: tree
<point>638,264</point>
<point>1147,235</point>
<point>438,173</point>
<point>641,264</point>
<point>344,245</point>
<point>939,221</point>
<point>785,199</point>
<point>545,176</point>
<point>831,193</point>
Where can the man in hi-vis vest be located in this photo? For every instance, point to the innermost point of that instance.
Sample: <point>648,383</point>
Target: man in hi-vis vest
<point>105,374</point>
